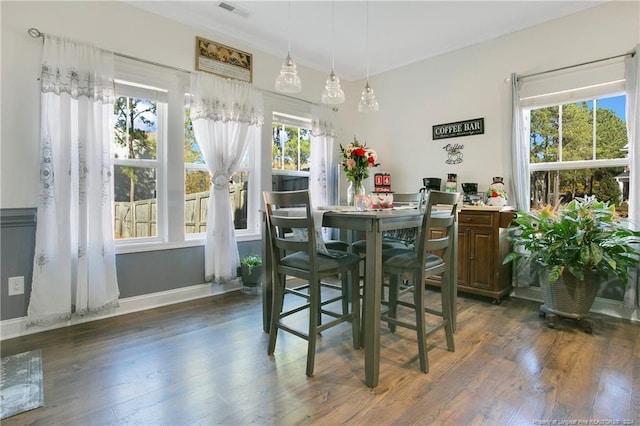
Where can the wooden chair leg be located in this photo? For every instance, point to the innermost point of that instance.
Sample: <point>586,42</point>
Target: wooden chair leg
<point>276,309</point>
<point>355,306</point>
<point>314,321</point>
<point>347,294</point>
<point>447,313</point>
<point>393,300</point>
<point>418,300</point>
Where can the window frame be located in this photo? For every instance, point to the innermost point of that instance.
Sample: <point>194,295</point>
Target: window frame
<point>590,93</point>
<point>134,89</point>
<point>170,182</point>
<point>294,120</point>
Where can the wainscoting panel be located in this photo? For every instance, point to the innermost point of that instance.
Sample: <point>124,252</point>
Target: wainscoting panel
<point>17,243</point>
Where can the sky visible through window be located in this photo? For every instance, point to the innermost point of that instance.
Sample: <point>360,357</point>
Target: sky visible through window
<point>616,103</point>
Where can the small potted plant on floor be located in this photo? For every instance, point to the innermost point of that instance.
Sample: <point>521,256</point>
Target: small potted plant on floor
<point>251,270</point>
<point>574,248</point>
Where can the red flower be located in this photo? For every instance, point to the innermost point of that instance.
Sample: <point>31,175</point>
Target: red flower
<point>359,152</point>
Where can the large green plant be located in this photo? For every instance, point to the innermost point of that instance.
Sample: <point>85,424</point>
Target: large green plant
<point>579,236</point>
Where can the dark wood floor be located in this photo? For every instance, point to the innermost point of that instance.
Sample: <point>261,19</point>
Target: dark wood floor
<point>204,362</point>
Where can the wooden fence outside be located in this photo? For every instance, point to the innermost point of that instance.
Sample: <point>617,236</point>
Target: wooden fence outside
<point>138,219</point>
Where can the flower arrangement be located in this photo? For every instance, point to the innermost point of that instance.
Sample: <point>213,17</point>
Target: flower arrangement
<point>357,159</point>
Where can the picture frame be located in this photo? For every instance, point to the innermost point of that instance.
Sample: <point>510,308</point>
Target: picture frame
<point>217,58</point>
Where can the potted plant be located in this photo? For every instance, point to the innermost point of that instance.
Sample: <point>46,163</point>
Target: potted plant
<point>574,247</point>
<point>251,270</point>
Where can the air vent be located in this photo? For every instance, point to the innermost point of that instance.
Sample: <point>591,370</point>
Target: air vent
<point>234,9</point>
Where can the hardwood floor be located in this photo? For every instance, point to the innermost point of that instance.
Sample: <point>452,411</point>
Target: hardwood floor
<point>205,362</point>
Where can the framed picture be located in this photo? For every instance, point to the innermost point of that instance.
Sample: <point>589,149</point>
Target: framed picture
<point>223,60</point>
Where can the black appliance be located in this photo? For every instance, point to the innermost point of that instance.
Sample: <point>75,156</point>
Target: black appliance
<point>470,193</point>
<point>430,183</point>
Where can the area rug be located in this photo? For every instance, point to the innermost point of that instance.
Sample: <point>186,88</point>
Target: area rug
<point>21,383</point>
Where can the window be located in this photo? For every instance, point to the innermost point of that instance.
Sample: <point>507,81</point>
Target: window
<point>578,149</point>
<point>291,152</point>
<point>161,182</point>
<point>137,149</point>
<point>196,182</point>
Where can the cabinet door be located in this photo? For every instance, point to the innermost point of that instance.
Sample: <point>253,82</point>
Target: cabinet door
<point>481,258</point>
<point>463,257</point>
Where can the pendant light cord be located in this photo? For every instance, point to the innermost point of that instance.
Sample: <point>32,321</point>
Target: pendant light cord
<point>367,38</point>
<point>333,36</point>
<point>289,29</point>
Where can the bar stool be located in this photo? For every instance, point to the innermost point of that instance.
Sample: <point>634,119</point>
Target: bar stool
<point>421,263</point>
<point>299,257</point>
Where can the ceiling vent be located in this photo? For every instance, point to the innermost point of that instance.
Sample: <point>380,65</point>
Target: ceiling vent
<point>234,9</point>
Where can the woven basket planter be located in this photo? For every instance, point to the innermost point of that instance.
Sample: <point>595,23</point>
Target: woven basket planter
<point>568,296</point>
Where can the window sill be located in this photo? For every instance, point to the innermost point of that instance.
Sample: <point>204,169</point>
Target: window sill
<point>194,241</point>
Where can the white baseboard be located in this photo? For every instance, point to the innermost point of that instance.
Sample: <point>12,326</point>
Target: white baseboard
<point>17,327</point>
<point>612,308</point>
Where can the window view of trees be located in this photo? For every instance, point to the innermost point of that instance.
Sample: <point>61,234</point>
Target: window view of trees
<point>291,147</point>
<point>583,132</point>
<point>135,157</point>
<point>291,153</point>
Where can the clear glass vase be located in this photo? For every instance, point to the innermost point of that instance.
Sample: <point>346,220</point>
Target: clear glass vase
<point>355,188</point>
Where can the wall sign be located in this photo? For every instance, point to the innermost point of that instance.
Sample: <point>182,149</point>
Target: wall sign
<point>223,60</point>
<point>459,128</point>
<point>454,153</point>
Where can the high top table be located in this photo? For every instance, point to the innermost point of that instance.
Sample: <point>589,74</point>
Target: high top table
<point>373,223</point>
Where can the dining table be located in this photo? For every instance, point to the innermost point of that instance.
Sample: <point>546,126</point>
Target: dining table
<point>373,223</point>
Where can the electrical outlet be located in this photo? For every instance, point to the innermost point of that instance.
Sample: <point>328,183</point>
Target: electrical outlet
<point>16,286</point>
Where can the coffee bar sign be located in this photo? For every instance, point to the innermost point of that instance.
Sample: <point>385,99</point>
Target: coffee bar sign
<point>459,128</point>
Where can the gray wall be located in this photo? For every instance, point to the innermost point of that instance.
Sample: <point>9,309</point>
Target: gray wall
<point>138,273</point>
<point>17,242</point>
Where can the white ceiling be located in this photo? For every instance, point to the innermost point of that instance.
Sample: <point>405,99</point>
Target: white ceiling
<point>400,32</point>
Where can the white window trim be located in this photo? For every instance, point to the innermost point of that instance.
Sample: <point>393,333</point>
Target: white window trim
<point>583,164</point>
<point>159,164</point>
<point>169,88</point>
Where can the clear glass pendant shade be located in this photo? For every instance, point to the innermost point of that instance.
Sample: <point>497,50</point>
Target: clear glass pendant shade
<point>368,102</point>
<point>332,94</point>
<point>288,80</point>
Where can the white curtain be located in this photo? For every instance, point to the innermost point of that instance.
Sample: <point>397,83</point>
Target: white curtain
<point>520,180</point>
<point>632,79</point>
<point>74,266</point>
<point>323,135</point>
<point>227,116</point>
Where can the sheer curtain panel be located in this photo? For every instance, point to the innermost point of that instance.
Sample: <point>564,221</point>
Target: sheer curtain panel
<point>632,79</point>
<point>323,136</point>
<point>227,116</point>
<point>520,180</point>
<point>74,265</point>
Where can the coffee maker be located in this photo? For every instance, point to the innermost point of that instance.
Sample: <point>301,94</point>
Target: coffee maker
<point>470,193</point>
<point>430,183</point>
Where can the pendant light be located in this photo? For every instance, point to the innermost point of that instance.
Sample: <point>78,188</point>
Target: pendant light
<point>288,80</point>
<point>332,94</point>
<point>368,102</point>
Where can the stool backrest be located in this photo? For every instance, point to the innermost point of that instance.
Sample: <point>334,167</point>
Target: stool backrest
<point>281,225</point>
<point>440,214</point>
